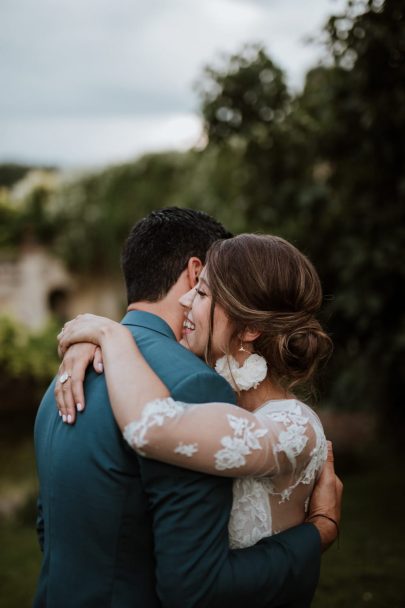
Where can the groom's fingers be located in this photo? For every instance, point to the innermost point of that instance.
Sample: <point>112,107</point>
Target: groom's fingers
<point>329,467</point>
<point>327,476</point>
<point>327,493</point>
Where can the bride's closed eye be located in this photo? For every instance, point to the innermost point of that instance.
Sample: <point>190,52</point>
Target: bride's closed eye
<point>200,292</point>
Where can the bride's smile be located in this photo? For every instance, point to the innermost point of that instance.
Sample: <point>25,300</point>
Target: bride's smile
<point>196,325</point>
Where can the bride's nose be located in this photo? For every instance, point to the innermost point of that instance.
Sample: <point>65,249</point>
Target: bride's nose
<point>187,299</point>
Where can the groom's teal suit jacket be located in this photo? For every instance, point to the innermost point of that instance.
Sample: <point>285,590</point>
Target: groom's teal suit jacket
<point>119,530</point>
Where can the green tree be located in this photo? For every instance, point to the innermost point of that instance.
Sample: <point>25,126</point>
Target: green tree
<point>366,153</point>
<point>246,108</point>
<point>328,173</point>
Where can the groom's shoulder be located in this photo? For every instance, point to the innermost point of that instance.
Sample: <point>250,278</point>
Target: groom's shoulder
<point>156,339</point>
<point>189,378</point>
<point>166,348</point>
<point>185,374</point>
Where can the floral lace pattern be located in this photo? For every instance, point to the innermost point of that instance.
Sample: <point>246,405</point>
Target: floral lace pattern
<point>254,498</point>
<point>235,449</point>
<point>293,440</point>
<point>154,414</point>
<point>274,453</point>
<point>187,449</point>
<point>250,519</point>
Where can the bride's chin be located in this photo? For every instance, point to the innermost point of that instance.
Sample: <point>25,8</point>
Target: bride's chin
<point>184,343</point>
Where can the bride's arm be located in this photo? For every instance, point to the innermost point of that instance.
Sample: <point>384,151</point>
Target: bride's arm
<point>214,438</point>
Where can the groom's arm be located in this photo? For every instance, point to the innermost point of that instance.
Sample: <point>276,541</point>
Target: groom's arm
<point>282,570</point>
<point>195,566</point>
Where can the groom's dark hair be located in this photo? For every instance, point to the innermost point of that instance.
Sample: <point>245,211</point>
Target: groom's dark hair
<point>159,247</point>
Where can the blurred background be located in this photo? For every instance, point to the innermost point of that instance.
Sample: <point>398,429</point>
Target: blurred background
<point>274,116</point>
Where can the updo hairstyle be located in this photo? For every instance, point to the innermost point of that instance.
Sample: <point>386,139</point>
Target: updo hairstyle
<point>264,283</point>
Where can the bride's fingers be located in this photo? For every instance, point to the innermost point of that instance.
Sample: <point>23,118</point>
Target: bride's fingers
<point>77,359</point>
<point>62,343</point>
<point>74,335</point>
<point>98,361</point>
<point>63,391</point>
<point>65,335</point>
<point>58,393</point>
<point>63,395</point>
<point>78,374</point>
<point>69,415</point>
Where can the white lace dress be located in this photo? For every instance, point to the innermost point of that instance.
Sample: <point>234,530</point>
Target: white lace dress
<point>275,452</point>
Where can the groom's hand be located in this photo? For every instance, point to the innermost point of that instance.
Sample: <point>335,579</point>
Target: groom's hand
<point>326,503</point>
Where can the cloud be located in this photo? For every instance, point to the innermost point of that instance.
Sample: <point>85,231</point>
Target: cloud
<point>94,61</point>
<point>75,142</point>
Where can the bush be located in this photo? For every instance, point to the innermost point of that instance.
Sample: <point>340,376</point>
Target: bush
<point>28,361</point>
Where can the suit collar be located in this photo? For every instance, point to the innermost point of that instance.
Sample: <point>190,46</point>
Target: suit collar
<point>148,320</point>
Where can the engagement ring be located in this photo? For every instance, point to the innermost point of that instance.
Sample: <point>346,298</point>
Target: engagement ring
<point>65,376</point>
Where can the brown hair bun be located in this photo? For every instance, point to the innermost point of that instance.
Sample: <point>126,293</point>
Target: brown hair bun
<point>264,282</point>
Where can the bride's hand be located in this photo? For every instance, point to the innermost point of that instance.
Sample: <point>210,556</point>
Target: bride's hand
<point>84,328</point>
<point>68,392</point>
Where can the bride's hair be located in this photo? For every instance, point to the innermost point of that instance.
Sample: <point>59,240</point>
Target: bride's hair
<point>265,284</point>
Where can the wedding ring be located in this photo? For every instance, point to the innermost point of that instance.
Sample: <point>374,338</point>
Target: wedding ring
<point>65,376</point>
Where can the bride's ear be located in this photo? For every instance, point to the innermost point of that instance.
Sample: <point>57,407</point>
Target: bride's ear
<point>249,335</point>
<point>194,268</point>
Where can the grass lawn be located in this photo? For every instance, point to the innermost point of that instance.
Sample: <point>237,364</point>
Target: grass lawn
<point>19,555</point>
<point>367,569</point>
<point>19,566</point>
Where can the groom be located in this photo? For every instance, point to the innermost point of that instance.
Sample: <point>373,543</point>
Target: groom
<point>121,531</point>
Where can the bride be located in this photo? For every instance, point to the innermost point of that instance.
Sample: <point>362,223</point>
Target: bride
<point>252,316</point>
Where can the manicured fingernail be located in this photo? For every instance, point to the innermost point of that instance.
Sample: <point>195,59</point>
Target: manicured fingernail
<point>64,418</point>
<point>60,413</point>
<point>79,407</point>
<point>69,418</point>
<point>100,367</point>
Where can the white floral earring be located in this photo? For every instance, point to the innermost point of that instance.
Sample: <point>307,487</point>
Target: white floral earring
<point>244,377</point>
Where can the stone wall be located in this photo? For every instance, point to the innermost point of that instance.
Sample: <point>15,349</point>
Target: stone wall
<point>35,285</point>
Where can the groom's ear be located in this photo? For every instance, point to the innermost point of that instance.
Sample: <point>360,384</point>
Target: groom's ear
<point>194,268</point>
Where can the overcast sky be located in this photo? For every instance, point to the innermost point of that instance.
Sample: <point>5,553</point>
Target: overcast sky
<point>90,82</point>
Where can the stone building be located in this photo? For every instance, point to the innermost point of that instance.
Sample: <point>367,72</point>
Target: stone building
<point>34,285</point>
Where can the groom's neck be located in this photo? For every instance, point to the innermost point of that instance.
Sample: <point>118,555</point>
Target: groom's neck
<point>167,309</point>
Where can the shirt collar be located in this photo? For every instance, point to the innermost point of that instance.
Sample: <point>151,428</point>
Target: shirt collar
<point>148,320</point>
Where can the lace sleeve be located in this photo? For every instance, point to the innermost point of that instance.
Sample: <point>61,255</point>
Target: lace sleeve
<point>222,439</point>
